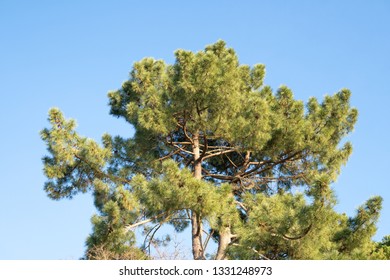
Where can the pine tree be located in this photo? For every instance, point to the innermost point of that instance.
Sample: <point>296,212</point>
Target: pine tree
<point>218,151</point>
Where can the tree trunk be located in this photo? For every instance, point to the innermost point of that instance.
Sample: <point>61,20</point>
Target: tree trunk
<point>196,220</point>
<point>225,237</point>
<point>197,246</point>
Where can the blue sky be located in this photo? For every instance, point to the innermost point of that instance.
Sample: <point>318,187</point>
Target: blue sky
<point>69,54</point>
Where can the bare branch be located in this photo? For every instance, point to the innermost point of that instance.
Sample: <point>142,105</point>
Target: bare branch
<point>252,249</point>
<point>183,150</point>
<point>219,153</point>
<point>153,232</point>
<point>218,176</point>
<point>169,155</point>
<point>231,161</point>
<point>286,237</point>
<point>241,205</point>
<point>271,165</point>
<point>129,227</point>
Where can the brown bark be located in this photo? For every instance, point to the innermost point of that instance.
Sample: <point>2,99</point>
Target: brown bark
<point>197,246</point>
<point>196,220</point>
<point>225,237</point>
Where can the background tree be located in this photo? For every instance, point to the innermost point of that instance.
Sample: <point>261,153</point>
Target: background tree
<point>216,150</point>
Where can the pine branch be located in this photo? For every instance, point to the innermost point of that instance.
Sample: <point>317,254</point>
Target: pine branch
<point>252,249</point>
<point>209,235</point>
<point>183,150</point>
<point>218,153</point>
<point>129,227</point>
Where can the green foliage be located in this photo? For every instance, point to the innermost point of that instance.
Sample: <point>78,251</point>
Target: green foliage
<point>382,249</point>
<point>354,240</point>
<point>176,189</point>
<point>291,228</point>
<point>215,147</point>
<point>110,236</point>
<point>75,160</point>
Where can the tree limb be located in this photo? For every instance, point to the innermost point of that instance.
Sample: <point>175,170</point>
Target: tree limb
<point>129,227</point>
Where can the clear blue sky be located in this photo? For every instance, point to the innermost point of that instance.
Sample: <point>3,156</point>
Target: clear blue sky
<point>69,54</point>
